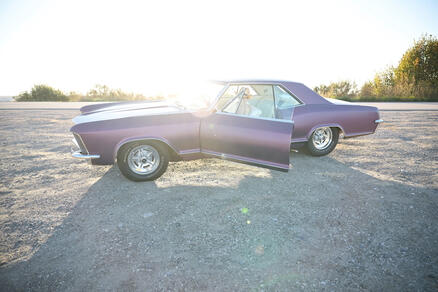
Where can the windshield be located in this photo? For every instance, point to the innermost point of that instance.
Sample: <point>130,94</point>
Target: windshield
<point>198,95</point>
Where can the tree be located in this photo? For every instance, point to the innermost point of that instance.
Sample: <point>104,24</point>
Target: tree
<point>418,68</point>
<point>415,76</point>
<point>368,90</point>
<point>384,82</point>
<point>42,93</point>
<point>420,63</point>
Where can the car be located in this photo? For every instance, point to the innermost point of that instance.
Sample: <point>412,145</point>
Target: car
<point>250,121</point>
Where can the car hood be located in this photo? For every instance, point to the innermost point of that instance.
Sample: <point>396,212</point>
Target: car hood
<point>112,111</point>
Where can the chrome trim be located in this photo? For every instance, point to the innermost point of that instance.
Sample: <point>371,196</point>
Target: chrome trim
<point>78,154</point>
<point>379,121</point>
<point>82,141</point>
<point>189,151</point>
<point>76,143</point>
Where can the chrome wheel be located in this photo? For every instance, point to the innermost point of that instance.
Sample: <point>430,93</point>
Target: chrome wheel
<point>143,159</point>
<point>322,137</point>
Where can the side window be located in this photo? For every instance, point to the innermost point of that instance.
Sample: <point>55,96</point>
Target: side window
<point>251,100</point>
<point>227,96</point>
<point>232,104</point>
<point>283,100</point>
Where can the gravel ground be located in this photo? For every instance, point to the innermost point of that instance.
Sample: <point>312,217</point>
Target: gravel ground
<point>363,218</point>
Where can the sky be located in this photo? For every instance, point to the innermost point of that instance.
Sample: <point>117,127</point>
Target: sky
<point>155,47</point>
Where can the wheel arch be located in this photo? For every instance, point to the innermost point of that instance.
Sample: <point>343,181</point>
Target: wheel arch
<point>173,153</point>
<point>331,125</point>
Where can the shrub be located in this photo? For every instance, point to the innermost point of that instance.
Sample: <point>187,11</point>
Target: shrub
<point>98,93</point>
<point>339,89</point>
<point>104,93</point>
<point>42,93</point>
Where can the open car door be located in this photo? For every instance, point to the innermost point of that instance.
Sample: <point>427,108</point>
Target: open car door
<point>244,128</point>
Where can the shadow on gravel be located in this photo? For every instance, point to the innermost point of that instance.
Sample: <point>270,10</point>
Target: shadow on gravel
<point>340,230</point>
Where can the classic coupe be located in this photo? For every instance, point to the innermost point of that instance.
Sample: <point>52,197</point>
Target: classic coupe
<point>249,121</point>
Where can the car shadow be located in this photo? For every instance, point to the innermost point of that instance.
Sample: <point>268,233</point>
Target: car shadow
<point>215,225</point>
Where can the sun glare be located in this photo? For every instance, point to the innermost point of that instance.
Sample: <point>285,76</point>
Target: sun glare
<point>195,94</point>
<point>148,46</point>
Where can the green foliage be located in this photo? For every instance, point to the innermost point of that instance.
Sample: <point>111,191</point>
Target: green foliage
<point>367,90</point>
<point>104,93</point>
<point>386,98</point>
<point>339,89</point>
<point>42,93</point>
<point>420,63</point>
<point>75,96</point>
<point>98,93</point>
<point>414,79</point>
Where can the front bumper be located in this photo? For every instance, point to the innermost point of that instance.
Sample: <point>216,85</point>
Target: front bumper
<point>76,152</point>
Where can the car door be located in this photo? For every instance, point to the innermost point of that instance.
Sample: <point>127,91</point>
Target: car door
<point>245,128</point>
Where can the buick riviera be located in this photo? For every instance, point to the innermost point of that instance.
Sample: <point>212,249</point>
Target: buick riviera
<point>253,122</point>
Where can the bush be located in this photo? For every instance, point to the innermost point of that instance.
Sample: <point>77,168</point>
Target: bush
<point>42,93</point>
<point>98,93</point>
<point>339,89</point>
<point>104,93</point>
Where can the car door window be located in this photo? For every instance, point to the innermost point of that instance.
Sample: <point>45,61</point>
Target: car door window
<point>232,104</point>
<point>283,99</point>
<point>250,100</point>
<point>227,97</point>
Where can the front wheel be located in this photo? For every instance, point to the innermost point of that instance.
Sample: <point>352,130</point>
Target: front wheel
<point>323,141</point>
<point>142,161</point>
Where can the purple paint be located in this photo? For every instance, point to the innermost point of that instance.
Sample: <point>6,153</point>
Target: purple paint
<point>104,128</point>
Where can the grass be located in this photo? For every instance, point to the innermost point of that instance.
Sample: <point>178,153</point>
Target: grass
<point>389,99</point>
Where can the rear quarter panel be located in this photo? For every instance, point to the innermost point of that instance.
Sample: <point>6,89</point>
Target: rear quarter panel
<point>353,120</point>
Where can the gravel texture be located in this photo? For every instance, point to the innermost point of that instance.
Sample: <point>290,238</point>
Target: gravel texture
<point>363,218</point>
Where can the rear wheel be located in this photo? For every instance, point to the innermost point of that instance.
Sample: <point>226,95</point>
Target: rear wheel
<point>323,141</point>
<point>142,161</point>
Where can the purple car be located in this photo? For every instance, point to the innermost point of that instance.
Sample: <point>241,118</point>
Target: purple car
<point>253,122</point>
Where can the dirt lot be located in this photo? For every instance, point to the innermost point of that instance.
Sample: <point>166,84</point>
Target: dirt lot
<point>363,218</point>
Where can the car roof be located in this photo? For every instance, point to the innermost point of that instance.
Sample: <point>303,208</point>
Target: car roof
<point>301,91</point>
<point>257,80</point>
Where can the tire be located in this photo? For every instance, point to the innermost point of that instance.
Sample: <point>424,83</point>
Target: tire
<point>142,161</point>
<point>323,141</point>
